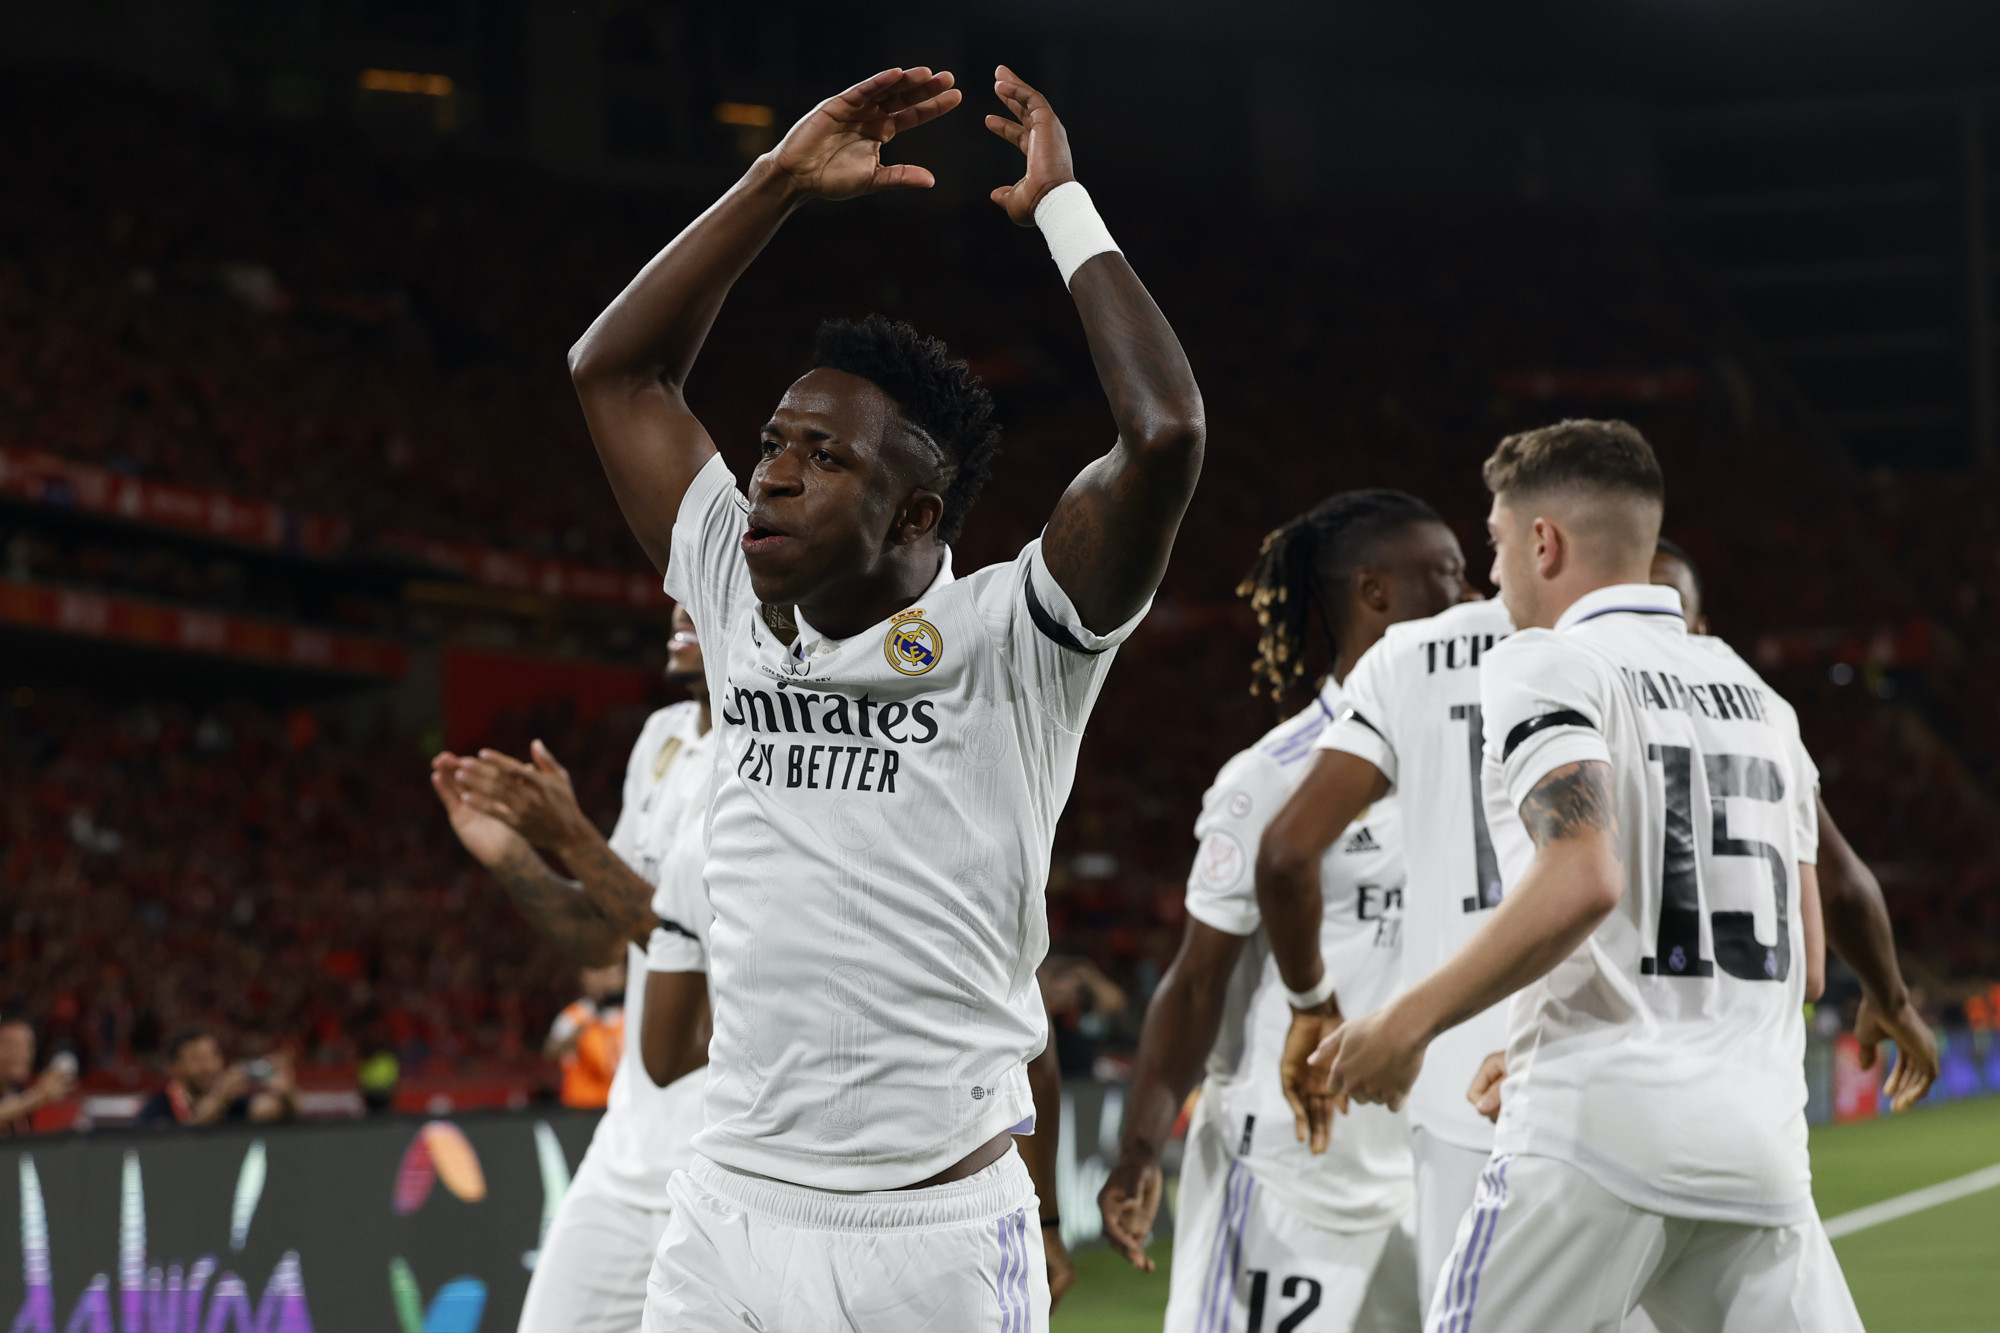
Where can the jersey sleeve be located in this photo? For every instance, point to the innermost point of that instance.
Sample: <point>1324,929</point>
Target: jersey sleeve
<point>1364,724</point>
<point>1222,882</point>
<point>1545,706</point>
<point>679,942</point>
<point>1805,798</point>
<point>1056,659</point>
<point>705,569</point>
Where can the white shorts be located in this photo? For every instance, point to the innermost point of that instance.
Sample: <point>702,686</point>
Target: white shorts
<point>1546,1249</point>
<point>590,1276</point>
<point>744,1252</point>
<point>1447,1176</point>
<point>1243,1263</point>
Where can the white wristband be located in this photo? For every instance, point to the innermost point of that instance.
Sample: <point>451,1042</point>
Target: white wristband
<point>1314,998</point>
<point>1070,225</point>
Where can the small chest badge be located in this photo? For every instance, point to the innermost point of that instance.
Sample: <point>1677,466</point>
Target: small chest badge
<point>914,644</point>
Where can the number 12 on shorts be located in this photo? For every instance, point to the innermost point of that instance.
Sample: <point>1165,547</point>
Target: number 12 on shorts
<point>1677,946</point>
<point>1290,1288</point>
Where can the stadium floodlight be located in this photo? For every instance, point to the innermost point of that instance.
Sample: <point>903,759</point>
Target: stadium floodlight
<point>404,81</point>
<point>744,113</point>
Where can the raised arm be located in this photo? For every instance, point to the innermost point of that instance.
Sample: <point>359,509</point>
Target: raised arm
<point>1181,1023</point>
<point>1110,536</point>
<point>1857,926</point>
<point>631,366</point>
<point>1336,789</point>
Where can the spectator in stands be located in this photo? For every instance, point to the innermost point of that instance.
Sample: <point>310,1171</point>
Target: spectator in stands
<point>21,1093</point>
<point>589,1037</point>
<point>1083,1003</point>
<point>203,1090</point>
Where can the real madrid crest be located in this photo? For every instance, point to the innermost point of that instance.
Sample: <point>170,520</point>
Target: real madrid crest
<point>914,644</point>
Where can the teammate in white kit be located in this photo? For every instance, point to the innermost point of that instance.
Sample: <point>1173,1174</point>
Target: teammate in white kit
<point>895,743</point>
<point>1265,1229</point>
<point>643,884</point>
<point>1409,726</point>
<point>1654,816</point>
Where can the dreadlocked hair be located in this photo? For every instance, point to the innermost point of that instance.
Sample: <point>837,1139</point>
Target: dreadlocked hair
<point>938,395</point>
<point>1301,572</point>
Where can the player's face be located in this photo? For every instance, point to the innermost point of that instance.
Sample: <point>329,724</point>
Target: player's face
<point>1426,568</point>
<point>684,649</point>
<point>199,1064</point>
<point>1511,534</point>
<point>17,1053</point>
<point>833,490</point>
<point>1671,572</point>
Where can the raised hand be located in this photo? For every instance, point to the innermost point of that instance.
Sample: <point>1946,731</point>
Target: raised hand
<point>1040,137</point>
<point>1129,1202</point>
<point>490,840</point>
<point>835,151</point>
<point>1916,1051</point>
<point>1313,1105</point>
<point>535,799</point>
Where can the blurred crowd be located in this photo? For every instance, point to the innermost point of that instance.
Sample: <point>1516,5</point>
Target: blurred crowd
<point>305,320</point>
<point>262,876</point>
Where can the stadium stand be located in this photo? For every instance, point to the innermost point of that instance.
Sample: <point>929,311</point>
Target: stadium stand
<point>377,342</point>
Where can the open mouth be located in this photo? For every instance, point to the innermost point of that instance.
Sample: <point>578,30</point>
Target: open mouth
<point>761,537</point>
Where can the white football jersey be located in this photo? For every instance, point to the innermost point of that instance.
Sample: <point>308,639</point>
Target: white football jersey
<point>1412,710</point>
<point>646,1132</point>
<point>1362,1181</point>
<point>1665,1056</point>
<point>878,851</point>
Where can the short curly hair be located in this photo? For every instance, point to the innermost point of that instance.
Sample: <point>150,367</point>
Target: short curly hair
<point>937,394</point>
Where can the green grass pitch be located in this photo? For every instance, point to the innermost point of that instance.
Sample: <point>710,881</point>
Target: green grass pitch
<point>1936,1271</point>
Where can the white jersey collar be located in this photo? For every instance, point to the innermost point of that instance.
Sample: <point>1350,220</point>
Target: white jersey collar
<point>811,642</point>
<point>1638,599</point>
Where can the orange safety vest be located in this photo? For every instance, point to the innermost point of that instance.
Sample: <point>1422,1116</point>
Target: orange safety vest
<point>588,1066</point>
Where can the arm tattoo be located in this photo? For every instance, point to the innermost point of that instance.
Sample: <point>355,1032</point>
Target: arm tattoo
<point>617,893</point>
<point>557,907</point>
<point>1574,799</point>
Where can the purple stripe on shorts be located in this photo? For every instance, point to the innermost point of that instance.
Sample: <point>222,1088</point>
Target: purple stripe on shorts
<point>1022,1259</point>
<point>1010,1277</point>
<point>1217,1249</point>
<point>1459,1257</point>
<point>1479,1265</point>
<point>1470,1260</point>
<point>1226,1255</point>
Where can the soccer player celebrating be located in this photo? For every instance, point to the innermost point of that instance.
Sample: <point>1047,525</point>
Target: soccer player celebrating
<point>896,742</point>
<point>1409,725</point>
<point>1847,908</point>
<point>638,900</point>
<point>1654,819</point>
<point>1267,1229</point>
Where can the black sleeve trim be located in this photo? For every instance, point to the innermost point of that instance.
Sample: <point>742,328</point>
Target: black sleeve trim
<point>1349,715</point>
<point>676,928</point>
<point>1051,628</point>
<point>1563,717</point>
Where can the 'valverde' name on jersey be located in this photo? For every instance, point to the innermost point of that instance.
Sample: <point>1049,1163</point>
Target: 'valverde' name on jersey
<point>1412,710</point>
<point>1665,1056</point>
<point>1362,1180</point>
<point>878,851</point>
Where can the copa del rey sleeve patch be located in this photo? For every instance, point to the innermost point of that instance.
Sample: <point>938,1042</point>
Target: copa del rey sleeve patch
<point>1221,859</point>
